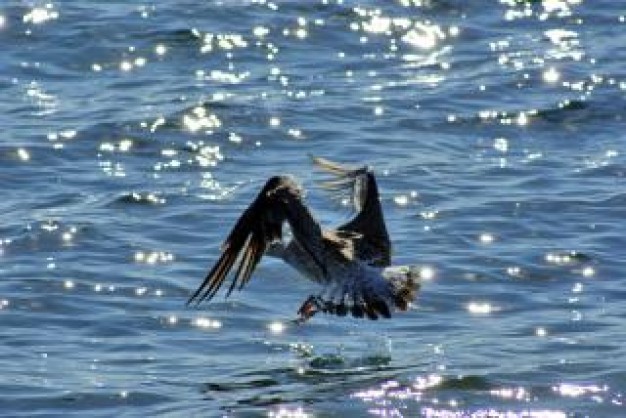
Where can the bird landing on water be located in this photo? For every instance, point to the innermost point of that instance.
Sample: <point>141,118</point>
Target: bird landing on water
<point>351,262</point>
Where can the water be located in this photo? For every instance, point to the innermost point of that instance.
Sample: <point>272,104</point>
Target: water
<point>133,135</point>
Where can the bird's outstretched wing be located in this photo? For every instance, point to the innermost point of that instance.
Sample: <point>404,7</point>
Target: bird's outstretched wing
<point>368,222</point>
<point>259,226</point>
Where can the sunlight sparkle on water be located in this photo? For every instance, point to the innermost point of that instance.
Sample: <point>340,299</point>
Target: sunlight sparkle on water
<point>67,236</point>
<point>199,118</point>
<point>518,393</point>
<point>153,257</point>
<point>301,33</point>
<point>274,121</point>
<point>206,323</point>
<point>562,37</point>
<point>140,61</point>
<point>295,133</point>
<point>423,36</point>
<point>160,49</point>
<point>480,308</point>
<point>551,75</point>
<point>574,391</point>
<point>152,198</point>
<point>428,412</point>
<point>230,41</point>
<point>125,145</point>
<point>486,238</point>
<point>577,288</point>
<point>41,14</point>
<point>45,101</point>
<point>65,134</point>
<point>260,31</point>
<point>276,327</point>
<point>569,258</point>
<point>514,271</point>
<point>126,66</point>
<point>401,200</point>
<point>158,122</point>
<point>522,119</point>
<point>23,154</point>
<point>377,24</point>
<point>501,144</point>
<point>234,138</point>
<point>559,7</point>
<point>427,273</point>
<point>228,78</point>
<point>285,412</point>
<point>426,382</point>
<point>588,271</point>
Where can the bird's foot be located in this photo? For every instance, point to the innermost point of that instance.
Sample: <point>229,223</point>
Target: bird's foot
<point>310,307</point>
<point>315,304</point>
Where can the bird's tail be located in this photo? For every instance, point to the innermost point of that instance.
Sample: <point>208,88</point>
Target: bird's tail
<point>372,296</point>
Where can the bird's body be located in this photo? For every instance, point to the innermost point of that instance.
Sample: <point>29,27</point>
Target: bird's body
<point>351,262</point>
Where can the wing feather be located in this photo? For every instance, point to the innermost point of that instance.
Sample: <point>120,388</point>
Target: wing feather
<point>368,222</point>
<point>261,224</point>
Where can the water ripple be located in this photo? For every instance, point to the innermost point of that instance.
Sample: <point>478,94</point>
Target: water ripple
<point>133,141</point>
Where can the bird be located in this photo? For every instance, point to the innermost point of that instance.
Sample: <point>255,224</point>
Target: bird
<point>351,262</point>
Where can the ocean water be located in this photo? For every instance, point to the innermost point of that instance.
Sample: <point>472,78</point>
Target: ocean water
<point>133,134</point>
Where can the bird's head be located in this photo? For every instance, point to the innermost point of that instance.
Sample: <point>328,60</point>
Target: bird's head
<point>407,273</point>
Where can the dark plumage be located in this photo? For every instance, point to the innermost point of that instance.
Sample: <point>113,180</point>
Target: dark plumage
<point>351,261</point>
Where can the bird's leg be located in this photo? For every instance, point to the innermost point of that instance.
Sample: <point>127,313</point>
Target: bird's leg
<point>310,307</point>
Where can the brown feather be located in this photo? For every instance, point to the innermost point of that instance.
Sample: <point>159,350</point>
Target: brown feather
<point>261,224</point>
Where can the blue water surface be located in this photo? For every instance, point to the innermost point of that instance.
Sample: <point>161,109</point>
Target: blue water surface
<point>133,134</point>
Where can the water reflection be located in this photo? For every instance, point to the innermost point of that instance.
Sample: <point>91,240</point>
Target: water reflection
<point>39,15</point>
<point>492,413</point>
<point>200,118</point>
<point>46,103</point>
<point>481,308</point>
<point>276,327</point>
<point>205,323</point>
<point>153,257</point>
<point>142,136</point>
<point>23,154</point>
<point>285,412</point>
<point>551,75</point>
<point>434,396</point>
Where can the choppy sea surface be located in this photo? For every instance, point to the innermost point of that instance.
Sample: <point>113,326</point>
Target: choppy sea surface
<point>133,134</point>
